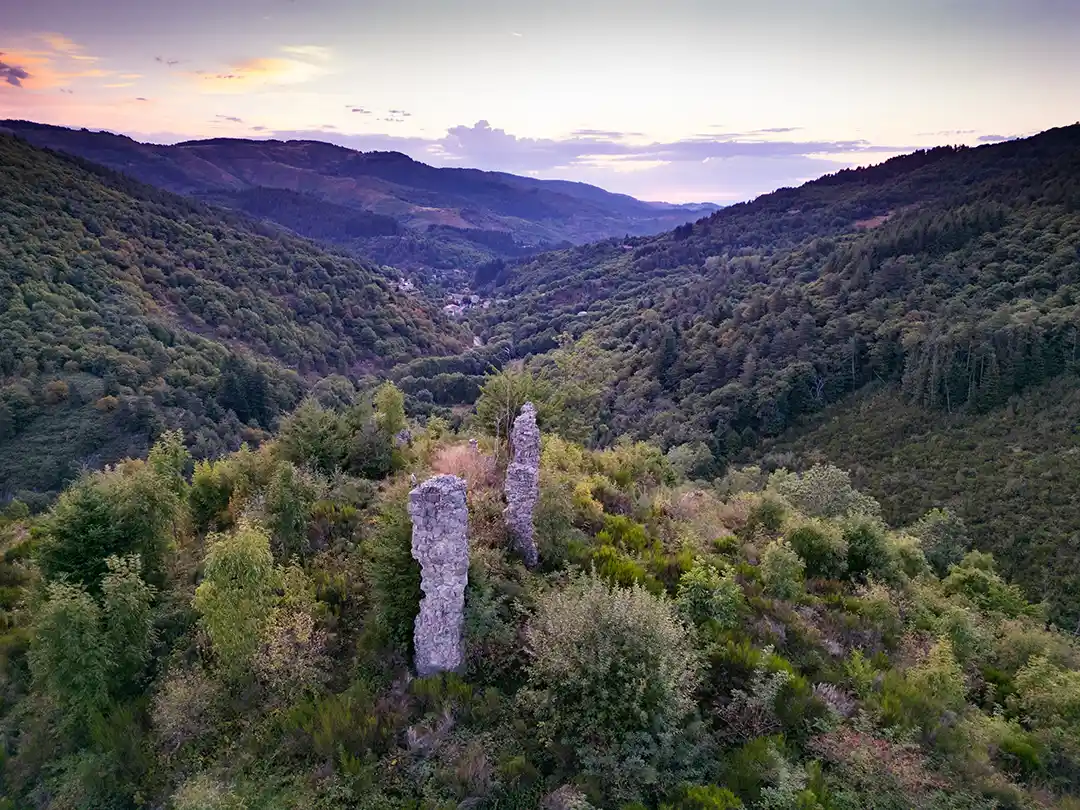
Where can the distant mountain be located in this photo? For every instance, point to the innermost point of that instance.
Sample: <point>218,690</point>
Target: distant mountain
<point>125,310</point>
<point>384,205</point>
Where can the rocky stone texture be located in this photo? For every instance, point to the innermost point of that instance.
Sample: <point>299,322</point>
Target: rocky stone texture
<point>523,483</point>
<point>440,544</point>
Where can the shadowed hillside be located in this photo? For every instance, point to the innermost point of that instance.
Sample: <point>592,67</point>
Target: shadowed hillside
<point>126,309</point>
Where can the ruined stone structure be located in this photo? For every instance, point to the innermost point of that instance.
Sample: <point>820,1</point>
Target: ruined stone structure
<point>523,483</point>
<point>440,544</point>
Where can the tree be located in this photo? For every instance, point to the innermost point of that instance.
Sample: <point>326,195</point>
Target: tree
<point>868,552</point>
<point>823,491</point>
<point>389,408</point>
<point>170,460</point>
<point>289,499</point>
<point>822,547</point>
<point>236,595</point>
<point>502,396</point>
<point>943,538</point>
<point>693,460</point>
<point>69,658</point>
<point>394,576</point>
<point>126,510</point>
<point>129,632</point>
<point>312,436</point>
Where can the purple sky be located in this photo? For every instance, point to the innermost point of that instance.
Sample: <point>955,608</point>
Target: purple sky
<point>679,100</point>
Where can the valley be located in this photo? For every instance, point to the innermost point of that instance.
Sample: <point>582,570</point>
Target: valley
<point>333,480</point>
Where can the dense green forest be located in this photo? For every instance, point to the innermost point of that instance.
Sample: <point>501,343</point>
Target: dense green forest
<point>237,634</point>
<point>951,276</point>
<point>954,273</point>
<point>125,310</point>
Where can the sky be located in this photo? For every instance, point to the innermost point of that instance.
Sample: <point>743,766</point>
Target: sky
<point>677,100</point>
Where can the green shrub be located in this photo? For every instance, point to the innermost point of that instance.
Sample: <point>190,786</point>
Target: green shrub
<point>236,595</point>
<point>623,533</point>
<point>121,511</point>
<point>707,595</point>
<point>128,622</point>
<point>69,659</point>
<point>612,677</point>
<point>822,547</point>
<point>290,499</point>
<point>943,537</point>
<point>209,495</point>
<point>704,797</point>
<point>976,579</point>
<point>768,514</point>
<point>918,698</point>
<point>394,576</point>
<point>823,491</point>
<point>868,550</point>
<point>312,436</point>
<point>782,570</point>
<point>621,569</point>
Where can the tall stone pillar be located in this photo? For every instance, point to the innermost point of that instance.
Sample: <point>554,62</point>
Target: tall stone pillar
<point>523,483</point>
<point>440,518</point>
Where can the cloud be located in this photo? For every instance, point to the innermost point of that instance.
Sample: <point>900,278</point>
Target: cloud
<point>13,74</point>
<point>230,118</point>
<point>258,129</point>
<point>249,74</point>
<point>141,98</point>
<point>400,113</point>
<point>516,34</point>
<point>167,62</point>
<point>722,167</point>
<point>47,61</point>
<point>316,53</point>
<point>606,134</point>
<point>120,84</point>
<point>360,110</point>
<point>61,44</point>
<point>994,138</point>
<point>945,132</point>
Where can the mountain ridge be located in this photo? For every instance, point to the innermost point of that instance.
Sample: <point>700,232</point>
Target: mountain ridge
<point>510,214</point>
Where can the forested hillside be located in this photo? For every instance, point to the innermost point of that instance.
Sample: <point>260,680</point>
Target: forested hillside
<point>950,276</point>
<point>382,205</point>
<point>239,635</point>
<point>124,310</point>
<point>1010,473</point>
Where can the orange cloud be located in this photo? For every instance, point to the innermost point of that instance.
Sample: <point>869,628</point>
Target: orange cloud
<point>47,61</point>
<point>61,44</point>
<point>250,74</point>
